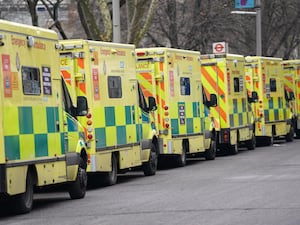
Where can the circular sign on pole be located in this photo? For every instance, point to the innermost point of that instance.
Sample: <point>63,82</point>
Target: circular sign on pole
<point>219,47</point>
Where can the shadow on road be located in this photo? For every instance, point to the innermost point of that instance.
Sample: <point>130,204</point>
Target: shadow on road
<point>40,202</point>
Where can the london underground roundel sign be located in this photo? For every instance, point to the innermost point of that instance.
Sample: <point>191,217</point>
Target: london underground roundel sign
<point>219,47</point>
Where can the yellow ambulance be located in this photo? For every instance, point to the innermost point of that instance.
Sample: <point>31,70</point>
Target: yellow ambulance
<point>41,141</point>
<point>119,132</point>
<point>273,117</point>
<point>291,74</point>
<point>172,76</point>
<point>224,75</point>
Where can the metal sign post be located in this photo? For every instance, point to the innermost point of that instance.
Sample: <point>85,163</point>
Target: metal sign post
<point>258,20</point>
<point>116,21</point>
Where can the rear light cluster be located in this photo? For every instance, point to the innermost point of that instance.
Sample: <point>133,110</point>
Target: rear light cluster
<point>225,136</point>
<point>89,123</point>
<point>261,109</point>
<point>228,80</point>
<point>261,114</point>
<point>140,54</point>
<point>166,115</point>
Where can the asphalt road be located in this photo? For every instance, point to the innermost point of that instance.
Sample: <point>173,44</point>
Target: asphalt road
<point>257,187</point>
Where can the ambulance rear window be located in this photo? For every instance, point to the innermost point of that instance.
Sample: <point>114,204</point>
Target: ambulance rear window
<point>114,87</point>
<point>236,83</point>
<point>185,87</point>
<point>273,85</point>
<point>31,81</point>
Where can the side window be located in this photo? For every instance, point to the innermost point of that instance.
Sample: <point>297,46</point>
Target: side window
<point>67,101</point>
<point>236,83</point>
<point>114,87</point>
<point>31,81</point>
<point>273,85</point>
<point>142,100</point>
<point>185,87</point>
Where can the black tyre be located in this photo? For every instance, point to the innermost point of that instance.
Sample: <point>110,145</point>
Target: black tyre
<point>150,167</point>
<point>270,140</point>
<point>77,188</point>
<point>233,149</point>
<point>251,144</point>
<point>23,202</point>
<point>297,133</point>
<point>210,154</point>
<point>110,178</point>
<point>290,136</point>
<point>181,159</point>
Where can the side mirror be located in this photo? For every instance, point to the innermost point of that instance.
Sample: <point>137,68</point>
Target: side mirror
<point>82,106</point>
<point>292,96</point>
<point>289,95</point>
<point>213,101</point>
<point>152,103</point>
<point>253,98</point>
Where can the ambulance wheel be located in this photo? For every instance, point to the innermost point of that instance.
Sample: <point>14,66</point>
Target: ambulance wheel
<point>290,136</point>
<point>181,159</point>
<point>22,203</point>
<point>150,167</point>
<point>251,144</point>
<point>77,188</point>
<point>210,154</point>
<point>110,178</point>
<point>233,149</point>
<point>297,131</point>
<point>270,140</point>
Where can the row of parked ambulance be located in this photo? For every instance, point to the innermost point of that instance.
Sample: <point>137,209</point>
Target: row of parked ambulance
<point>79,111</point>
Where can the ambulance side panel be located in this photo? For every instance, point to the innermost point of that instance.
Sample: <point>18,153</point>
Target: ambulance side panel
<point>105,73</point>
<point>30,110</point>
<point>291,70</point>
<point>273,116</point>
<point>173,77</point>
<point>33,134</point>
<point>224,76</point>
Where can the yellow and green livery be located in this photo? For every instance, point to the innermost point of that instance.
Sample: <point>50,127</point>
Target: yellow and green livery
<point>273,116</point>
<point>224,75</point>
<point>291,76</point>
<point>118,124</point>
<point>41,141</point>
<point>172,76</point>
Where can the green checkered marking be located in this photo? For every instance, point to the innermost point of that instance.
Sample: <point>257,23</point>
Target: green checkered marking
<point>120,120</point>
<point>37,134</point>
<point>121,135</point>
<point>100,134</point>
<point>41,145</point>
<point>175,126</point>
<point>25,120</point>
<point>110,119</point>
<point>12,147</point>
<point>189,125</point>
<point>52,113</point>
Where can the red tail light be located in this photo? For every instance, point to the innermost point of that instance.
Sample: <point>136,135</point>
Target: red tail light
<point>226,136</point>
